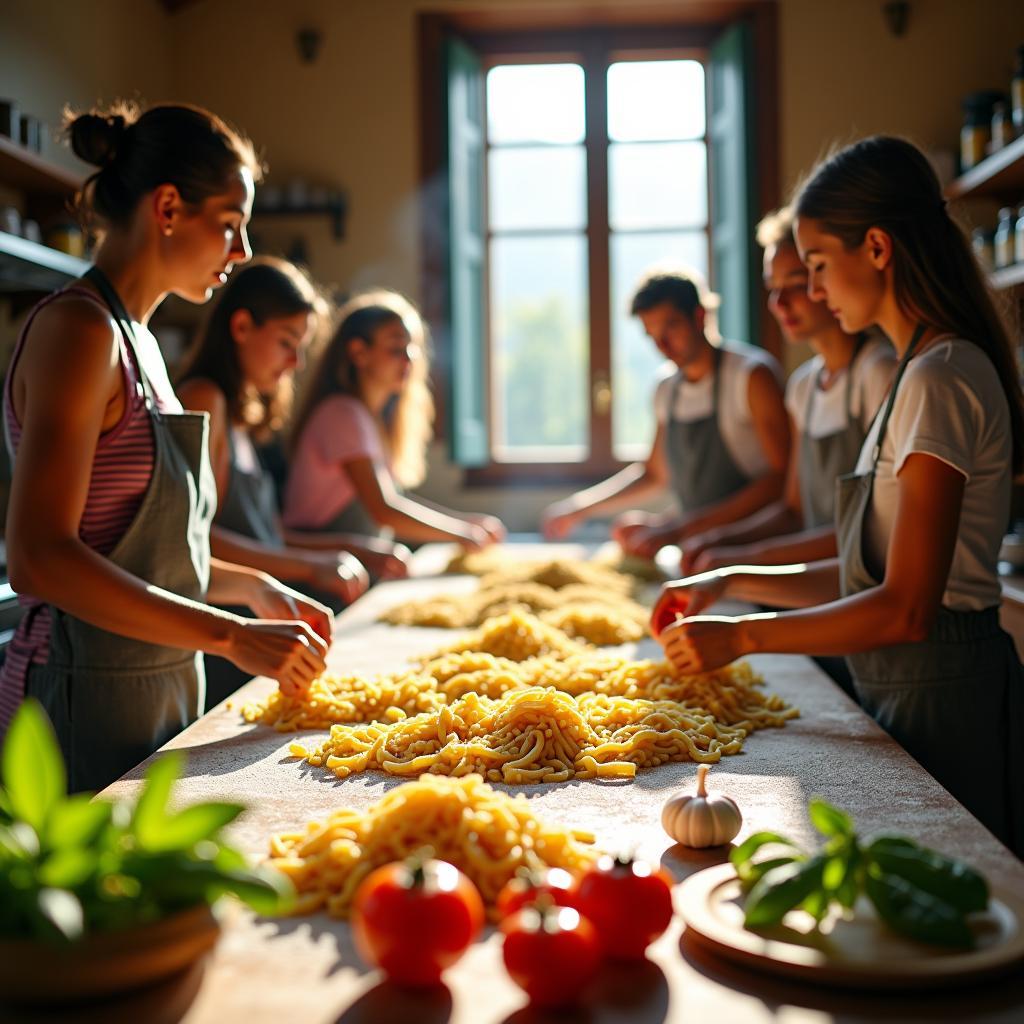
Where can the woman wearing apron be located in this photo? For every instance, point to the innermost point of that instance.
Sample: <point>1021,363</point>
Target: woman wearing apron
<point>112,494</point>
<point>722,442</point>
<point>832,400</point>
<point>913,598</point>
<point>362,431</point>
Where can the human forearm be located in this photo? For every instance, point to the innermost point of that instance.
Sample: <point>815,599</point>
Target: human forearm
<point>90,587</point>
<point>816,545</point>
<point>284,563</point>
<point>873,618</point>
<point>745,502</point>
<point>773,520</point>
<point>630,486</point>
<point>784,586</point>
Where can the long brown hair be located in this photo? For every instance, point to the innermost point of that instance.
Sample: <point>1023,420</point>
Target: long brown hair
<point>268,288</point>
<point>407,423</point>
<point>176,144</point>
<point>888,183</point>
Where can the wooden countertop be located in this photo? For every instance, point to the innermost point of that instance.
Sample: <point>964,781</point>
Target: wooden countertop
<point>305,968</point>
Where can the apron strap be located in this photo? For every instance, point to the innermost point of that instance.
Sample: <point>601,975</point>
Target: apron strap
<point>124,321</point>
<point>877,450</point>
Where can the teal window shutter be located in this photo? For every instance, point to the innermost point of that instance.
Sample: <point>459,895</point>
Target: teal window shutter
<point>467,364</point>
<point>732,155</point>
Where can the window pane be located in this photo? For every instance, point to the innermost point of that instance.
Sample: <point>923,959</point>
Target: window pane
<point>655,99</point>
<point>636,363</point>
<point>535,103</point>
<point>540,360</point>
<point>657,185</point>
<point>537,187</point>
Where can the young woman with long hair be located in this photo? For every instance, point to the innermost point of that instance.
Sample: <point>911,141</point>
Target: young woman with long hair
<point>362,430</point>
<point>112,494</point>
<point>913,598</point>
<point>240,370</point>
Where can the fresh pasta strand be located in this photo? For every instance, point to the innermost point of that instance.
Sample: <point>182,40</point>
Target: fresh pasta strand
<point>485,833</point>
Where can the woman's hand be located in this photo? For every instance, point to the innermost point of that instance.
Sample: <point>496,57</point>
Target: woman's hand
<point>339,573</point>
<point>491,525</point>
<point>291,652</point>
<point>271,599</point>
<point>390,564</point>
<point>689,596</point>
<point>559,520</point>
<point>704,643</point>
<point>647,541</point>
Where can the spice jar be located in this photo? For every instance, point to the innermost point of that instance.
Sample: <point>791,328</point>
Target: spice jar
<point>1003,241</point>
<point>1017,92</point>
<point>977,129</point>
<point>1002,127</point>
<point>982,241</point>
<point>1018,242</point>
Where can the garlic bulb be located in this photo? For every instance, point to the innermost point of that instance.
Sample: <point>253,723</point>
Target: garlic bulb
<point>701,820</point>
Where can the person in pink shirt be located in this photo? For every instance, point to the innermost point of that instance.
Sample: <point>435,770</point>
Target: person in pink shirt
<point>362,429</point>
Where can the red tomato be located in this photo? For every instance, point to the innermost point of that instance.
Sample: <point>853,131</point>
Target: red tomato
<point>414,918</point>
<point>629,902</point>
<point>522,889</point>
<point>550,952</point>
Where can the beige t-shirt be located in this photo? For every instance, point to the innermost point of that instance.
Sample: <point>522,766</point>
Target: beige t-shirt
<point>872,374</point>
<point>695,400</point>
<point>950,405</point>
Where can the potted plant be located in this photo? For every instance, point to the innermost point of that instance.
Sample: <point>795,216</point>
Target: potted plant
<point>100,896</point>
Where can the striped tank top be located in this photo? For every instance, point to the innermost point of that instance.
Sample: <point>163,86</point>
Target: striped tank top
<point>121,470</point>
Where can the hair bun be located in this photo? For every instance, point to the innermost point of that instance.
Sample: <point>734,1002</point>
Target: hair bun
<point>97,138</point>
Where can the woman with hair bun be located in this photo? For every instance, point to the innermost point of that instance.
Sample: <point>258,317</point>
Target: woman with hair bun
<point>112,494</point>
<point>913,598</point>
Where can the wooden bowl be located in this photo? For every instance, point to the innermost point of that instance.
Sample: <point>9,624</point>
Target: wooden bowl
<point>105,963</point>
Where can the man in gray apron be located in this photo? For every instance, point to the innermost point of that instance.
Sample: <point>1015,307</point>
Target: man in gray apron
<point>114,700</point>
<point>953,700</point>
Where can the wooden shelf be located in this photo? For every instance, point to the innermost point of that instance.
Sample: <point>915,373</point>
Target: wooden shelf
<point>1007,277</point>
<point>335,211</point>
<point>1000,176</point>
<point>29,266</point>
<point>20,168</point>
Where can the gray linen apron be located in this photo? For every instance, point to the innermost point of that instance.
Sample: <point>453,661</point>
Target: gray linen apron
<point>701,468</point>
<point>114,700</point>
<point>955,701</point>
<point>824,459</point>
<point>250,504</point>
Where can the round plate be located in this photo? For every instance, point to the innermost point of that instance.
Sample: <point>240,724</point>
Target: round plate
<point>860,952</point>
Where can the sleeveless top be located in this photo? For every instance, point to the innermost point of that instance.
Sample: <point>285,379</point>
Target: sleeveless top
<point>121,471</point>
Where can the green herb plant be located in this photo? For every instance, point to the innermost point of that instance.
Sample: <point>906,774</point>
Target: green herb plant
<point>73,865</point>
<point>915,891</point>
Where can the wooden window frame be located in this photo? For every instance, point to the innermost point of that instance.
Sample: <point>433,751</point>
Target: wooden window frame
<point>500,36</point>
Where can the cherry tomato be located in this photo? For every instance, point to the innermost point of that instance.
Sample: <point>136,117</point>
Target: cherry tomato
<point>414,918</point>
<point>555,883</point>
<point>550,952</point>
<point>629,902</point>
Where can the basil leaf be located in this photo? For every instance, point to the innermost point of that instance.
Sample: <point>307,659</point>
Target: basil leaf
<point>782,889</point>
<point>76,821</point>
<point>751,872</point>
<point>61,911</point>
<point>33,769</point>
<point>829,820</point>
<point>950,880</point>
<point>752,844</point>
<point>914,912</point>
<point>150,815</point>
<point>190,826</point>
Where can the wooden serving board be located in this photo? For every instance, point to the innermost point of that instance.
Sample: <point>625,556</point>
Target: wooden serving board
<point>856,953</point>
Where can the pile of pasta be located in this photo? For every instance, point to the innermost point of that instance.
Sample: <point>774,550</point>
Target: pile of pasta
<point>530,736</point>
<point>485,833</point>
<point>586,602</point>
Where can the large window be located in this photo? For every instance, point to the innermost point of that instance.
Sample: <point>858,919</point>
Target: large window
<point>571,170</point>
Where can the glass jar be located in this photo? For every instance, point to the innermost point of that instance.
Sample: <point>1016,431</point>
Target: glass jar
<point>1003,240</point>
<point>982,241</point>
<point>1002,127</point>
<point>1018,241</point>
<point>1017,92</point>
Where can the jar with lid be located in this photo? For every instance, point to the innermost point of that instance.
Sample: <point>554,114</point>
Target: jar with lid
<point>977,129</point>
<point>1018,240</point>
<point>1017,92</point>
<point>1003,241</point>
<point>982,241</point>
<point>1002,127</point>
